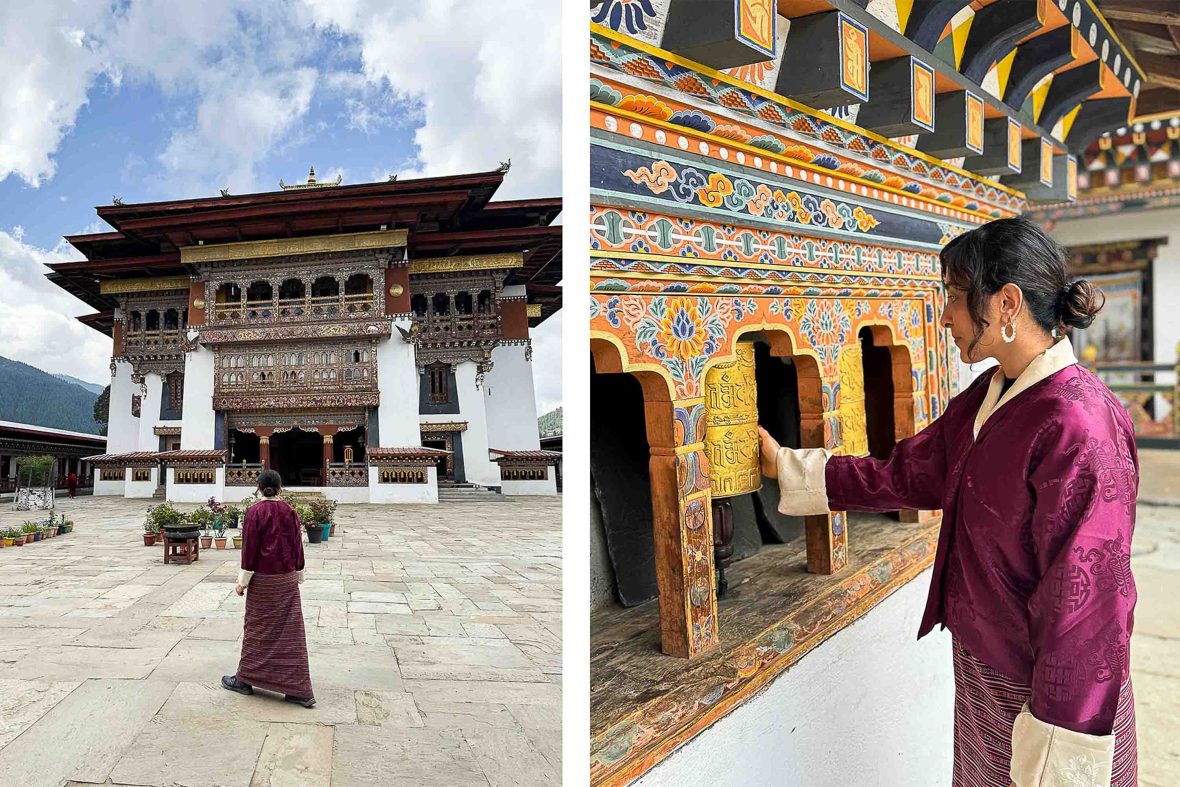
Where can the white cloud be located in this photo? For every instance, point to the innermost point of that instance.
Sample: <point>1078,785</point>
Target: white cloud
<point>37,324</point>
<point>47,65</point>
<point>487,77</point>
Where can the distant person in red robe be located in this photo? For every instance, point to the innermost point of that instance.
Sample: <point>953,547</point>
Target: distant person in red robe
<point>274,644</point>
<point>72,484</point>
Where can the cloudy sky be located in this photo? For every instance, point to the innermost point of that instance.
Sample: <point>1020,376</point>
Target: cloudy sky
<point>158,99</point>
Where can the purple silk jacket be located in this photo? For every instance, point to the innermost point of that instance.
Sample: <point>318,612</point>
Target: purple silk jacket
<point>272,541</point>
<point>1033,570</point>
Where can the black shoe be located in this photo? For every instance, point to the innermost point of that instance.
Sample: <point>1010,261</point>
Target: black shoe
<point>232,683</point>
<point>307,703</point>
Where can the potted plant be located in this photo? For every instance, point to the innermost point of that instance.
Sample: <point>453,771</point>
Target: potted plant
<point>66,526</point>
<point>206,539</point>
<point>18,536</point>
<point>315,531</point>
<point>321,512</point>
<point>51,525</point>
<point>150,531</point>
<point>233,515</point>
<point>219,538</point>
<point>218,512</point>
<point>31,531</point>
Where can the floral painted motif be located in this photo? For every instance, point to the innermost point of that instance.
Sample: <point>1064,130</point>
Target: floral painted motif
<point>826,327</point>
<point>630,16</point>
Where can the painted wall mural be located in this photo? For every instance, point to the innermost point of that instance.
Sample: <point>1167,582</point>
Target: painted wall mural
<point>720,212</point>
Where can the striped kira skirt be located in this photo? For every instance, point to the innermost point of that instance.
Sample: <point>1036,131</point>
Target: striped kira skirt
<point>274,645</point>
<point>986,706</point>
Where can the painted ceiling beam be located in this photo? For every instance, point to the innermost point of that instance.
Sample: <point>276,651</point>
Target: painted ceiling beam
<point>951,137</point>
<point>995,159</point>
<point>902,102</point>
<point>1096,117</point>
<point>929,19</point>
<point>1069,89</point>
<point>1036,59</point>
<point>994,33</point>
<point>813,67</point>
<point>720,35</point>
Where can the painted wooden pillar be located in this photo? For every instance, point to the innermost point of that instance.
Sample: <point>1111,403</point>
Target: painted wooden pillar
<point>329,434</point>
<point>264,446</point>
<point>827,536</point>
<point>682,527</point>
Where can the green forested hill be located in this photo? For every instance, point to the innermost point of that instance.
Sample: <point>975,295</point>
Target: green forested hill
<point>31,396</point>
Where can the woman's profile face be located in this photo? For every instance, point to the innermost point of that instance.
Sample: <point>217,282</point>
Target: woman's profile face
<point>957,319</point>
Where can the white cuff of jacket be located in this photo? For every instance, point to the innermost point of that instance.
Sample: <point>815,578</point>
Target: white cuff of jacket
<point>1044,755</point>
<point>244,576</point>
<point>803,489</point>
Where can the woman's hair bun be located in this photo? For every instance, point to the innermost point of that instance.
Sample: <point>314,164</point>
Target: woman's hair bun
<point>269,483</point>
<point>1080,303</point>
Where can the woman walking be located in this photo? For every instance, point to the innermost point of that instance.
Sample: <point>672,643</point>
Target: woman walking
<point>1035,469</point>
<point>274,646</point>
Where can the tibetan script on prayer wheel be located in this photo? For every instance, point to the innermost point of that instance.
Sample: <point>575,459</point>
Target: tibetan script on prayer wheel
<point>731,425</point>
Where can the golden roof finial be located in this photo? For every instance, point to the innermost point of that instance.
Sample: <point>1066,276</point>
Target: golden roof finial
<point>311,183</point>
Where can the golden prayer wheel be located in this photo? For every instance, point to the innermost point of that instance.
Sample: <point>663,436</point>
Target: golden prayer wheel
<point>731,425</point>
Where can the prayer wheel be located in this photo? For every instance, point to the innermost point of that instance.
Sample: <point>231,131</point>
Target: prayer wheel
<point>732,445</point>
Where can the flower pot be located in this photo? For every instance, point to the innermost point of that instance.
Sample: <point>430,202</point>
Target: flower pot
<point>332,530</point>
<point>7,541</point>
<point>315,534</point>
<point>327,528</point>
<point>220,542</point>
<point>53,532</point>
<point>149,539</point>
<point>237,542</point>
<point>206,542</point>
<point>36,534</point>
<point>19,541</point>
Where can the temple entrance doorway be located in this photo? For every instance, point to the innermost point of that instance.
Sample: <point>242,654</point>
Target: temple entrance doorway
<point>244,448</point>
<point>298,456</point>
<point>446,464</point>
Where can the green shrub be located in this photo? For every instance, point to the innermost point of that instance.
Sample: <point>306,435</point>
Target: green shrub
<point>37,468</point>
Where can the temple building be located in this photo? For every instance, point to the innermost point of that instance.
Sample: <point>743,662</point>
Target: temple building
<point>68,449</point>
<point>1123,234</point>
<point>771,183</point>
<point>369,341</point>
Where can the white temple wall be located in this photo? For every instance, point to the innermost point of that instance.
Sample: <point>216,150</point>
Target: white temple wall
<point>404,493</point>
<point>397,378</point>
<point>871,705</point>
<point>141,488</point>
<point>477,467</point>
<point>114,488</point>
<point>510,401</point>
<point>199,419</point>
<point>195,493</point>
<point>546,487</point>
<point>149,412</point>
<point>122,426</point>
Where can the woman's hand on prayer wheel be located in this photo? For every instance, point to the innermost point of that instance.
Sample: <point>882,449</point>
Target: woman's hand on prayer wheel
<point>769,453</point>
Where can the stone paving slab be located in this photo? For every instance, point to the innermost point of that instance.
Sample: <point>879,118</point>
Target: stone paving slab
<point>430,628</point>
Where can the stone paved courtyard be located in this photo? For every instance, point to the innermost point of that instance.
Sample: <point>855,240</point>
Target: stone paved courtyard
<point>434,635</point>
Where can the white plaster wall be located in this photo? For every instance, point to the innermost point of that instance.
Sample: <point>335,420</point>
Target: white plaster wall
<point>197,431</point>
<point>404,493</point>
<point>122,426</point>
<point>510,401</point>
<point>870,706</point>
<point>1165,270</point>
<point>149,413</point>
<point>109,488</point>
<point>141,488</point>
<point>236,494</point>
<point>477,467</point>
<point>397,376</point>
<point>547,487</point>
<point>195,493</point>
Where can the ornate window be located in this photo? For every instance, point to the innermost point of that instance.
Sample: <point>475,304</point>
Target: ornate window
<point>439,389</point>
<point>175,390</point>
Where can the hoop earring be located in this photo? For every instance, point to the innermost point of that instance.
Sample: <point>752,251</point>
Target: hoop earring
<point>1004,332</point>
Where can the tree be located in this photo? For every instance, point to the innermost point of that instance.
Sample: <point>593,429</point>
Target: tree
<point>102,407</point>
